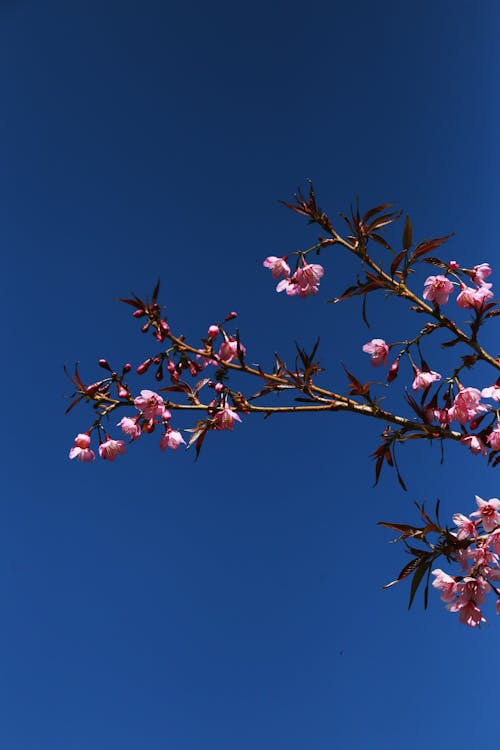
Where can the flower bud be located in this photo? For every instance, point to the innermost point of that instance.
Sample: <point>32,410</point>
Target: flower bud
<point>127,368</point>
<point>143,367</point>
<point>138,313</point>
<point>393,371</point>
<point>104,364</point>
<point>231,316</point>
<point>213,332</point>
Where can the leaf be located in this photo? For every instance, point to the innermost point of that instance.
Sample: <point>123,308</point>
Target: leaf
<point>396,261</point>
<point>363,313</point>
<point>381,241</point>
<point>416,580</point>
<point>376,210</point>
<point>407,234</point>
<point>156,292</point>
<point>407,570</point>
<point>429,245</point>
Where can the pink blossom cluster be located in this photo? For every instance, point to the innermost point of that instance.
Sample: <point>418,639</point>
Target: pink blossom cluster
<point>303,282</point>
<point>478,557</point>
<point>438,288</point>
<point>152,411</point>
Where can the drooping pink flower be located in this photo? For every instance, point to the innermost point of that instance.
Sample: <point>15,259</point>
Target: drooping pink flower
<point>440,415</point>
<point>437,289</point>
<point>467,405</point>
<point>171,439</point>
<point>488,512</point>
<point>445,583</point>
<point>470,298</point>
<point>470,615</point>
<point>151,405</point>
<point>481,272</point>
<point>278,266</point>
<point>494,541</point>
<point>229,350</point>
<point>130,427</point>
<point>225,419</point>
<point>379,351</point>
<point>81,449</point>
<point>475,444</point>
<point>424,378</point>
<point>492,392</point>
<point>494,438</point>
<point>110,449</point>
<point>304,281</point>
<point>466,526</point>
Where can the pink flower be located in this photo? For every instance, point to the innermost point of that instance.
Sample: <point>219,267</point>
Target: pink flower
<point>466,526</point>
<point>488,512</point>
<point>229,350</point>
<point>151,405</point>
<point>492,392</point>
<point>424,378</point>
<point>171,439</point>
<point>378,350</point>
<point>304,281</point>
<point>466,405</point>
<point>475,444</point>
<point>470,298</point>
<point>470,615</point>
<point>81,449</point>
<point>279,266</point>
<point>110,449</point>
<point>494,438</point>
<point>481,272</point>
<point>446,583</point>
<point>438,289</point>
<point>494,541</point>
<point>440,415</point>
<point>225,418</point>
<point>453,265</point>
<point>130,427</point>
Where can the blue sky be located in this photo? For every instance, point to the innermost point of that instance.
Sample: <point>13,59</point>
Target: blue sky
<point>234,602</point>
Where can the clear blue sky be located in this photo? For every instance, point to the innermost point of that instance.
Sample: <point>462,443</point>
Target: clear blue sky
<point>232,603</point>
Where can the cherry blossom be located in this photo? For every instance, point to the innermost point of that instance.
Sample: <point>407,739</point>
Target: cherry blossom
<point>481,272</point>
<point>424,378</point>
<point>151,405</point>
<point>171,439</point>
<point>379,351</point>
<point>437,289</point>
<point>475,444</point>
<point>304,281</point>
<point>229,350</point>
<point>278,266</point>
<point>81,449</point>
<point>470,298</point>
<point>492,392</point>
<point>446,583</point>
<point>225,419</point>
<point>466,526</point>
<point>110,449</point>
<point>130,427</point>
<point>494,438</point>
<point>467,405</point>
<point>488,512</point>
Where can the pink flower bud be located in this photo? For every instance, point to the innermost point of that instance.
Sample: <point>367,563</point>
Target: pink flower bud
<point>213,332</point>
<point>123,392</point>
<point>138,313</point>
<point>143,367</point>
<point>127,368</point>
